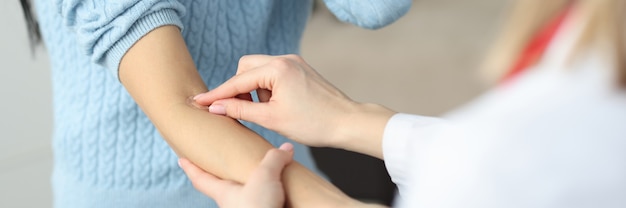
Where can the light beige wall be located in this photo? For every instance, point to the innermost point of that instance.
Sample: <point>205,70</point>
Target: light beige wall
<point>426,63</point>
<point>25,116</point>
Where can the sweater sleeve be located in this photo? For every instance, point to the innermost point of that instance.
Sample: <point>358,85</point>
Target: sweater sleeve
<point>370,14</point>
<point>403,133</point>
<point>105,30</point>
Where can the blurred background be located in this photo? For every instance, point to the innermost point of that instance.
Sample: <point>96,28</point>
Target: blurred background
<point>426,63</point>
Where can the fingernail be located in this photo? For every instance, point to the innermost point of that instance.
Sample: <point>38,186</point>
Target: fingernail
<point>179,165</point>
<point>288,147</point>
<point>217,109</point>
<point>198,96</point>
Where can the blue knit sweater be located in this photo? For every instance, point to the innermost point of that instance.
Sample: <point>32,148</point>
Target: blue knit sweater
<point>106,151</point>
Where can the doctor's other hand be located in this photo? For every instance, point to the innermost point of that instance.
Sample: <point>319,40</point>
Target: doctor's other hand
<point>297,102</point>
<point>263,188</point>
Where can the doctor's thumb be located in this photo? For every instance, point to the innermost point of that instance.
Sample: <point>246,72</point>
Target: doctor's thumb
<point>240,109</point>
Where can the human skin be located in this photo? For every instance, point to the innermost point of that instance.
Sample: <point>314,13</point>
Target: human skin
<point>264,188</point>
<point>159,74</point>
<point>299,104</point>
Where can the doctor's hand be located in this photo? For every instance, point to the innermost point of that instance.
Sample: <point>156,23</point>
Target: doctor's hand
<point>262,189</point>
<point>298,103</point>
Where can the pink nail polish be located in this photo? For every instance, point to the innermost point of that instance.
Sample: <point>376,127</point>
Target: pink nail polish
<point>198,96</point>
<point>288,147</point>
<point>217,109</point>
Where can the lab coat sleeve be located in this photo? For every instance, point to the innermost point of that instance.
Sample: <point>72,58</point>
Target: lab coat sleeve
<point>401,134</point>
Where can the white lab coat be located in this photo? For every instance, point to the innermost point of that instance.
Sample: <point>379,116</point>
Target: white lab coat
<point>553,137</point>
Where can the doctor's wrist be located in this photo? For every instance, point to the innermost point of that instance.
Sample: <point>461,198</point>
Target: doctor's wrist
<point>361,129</point>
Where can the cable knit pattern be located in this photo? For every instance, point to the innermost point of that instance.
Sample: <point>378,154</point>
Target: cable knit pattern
<point>107,153</point>
<point>370,14</point>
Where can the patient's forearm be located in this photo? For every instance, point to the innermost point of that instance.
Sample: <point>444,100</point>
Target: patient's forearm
<point>160,75</point>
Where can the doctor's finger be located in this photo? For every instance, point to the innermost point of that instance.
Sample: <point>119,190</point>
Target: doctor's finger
<point>205,182</point>
<point>273,163</point>
<point>239,84</point>
<point>249,62</point>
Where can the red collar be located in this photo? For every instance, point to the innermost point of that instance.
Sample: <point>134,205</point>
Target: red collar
<point>537,46</point>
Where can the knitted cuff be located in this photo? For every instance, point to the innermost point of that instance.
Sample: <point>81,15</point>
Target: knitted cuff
<point>140,28</point>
